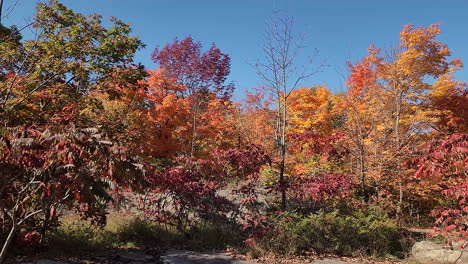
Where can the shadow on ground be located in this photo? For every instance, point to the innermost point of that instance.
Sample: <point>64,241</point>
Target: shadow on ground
<point>191,257</point>
<point>114,256</point>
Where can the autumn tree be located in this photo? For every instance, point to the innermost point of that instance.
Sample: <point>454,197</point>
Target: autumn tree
<point>314,118</point>
<point>70,57</point>
<point>256,121</point>
<point>310,111</point>
<point>448,99</point>
<point>362,105</point>
<point>405,82</point>
<point>281,74</point>
<point>394,106</point>
<point>199,76</point>
<point>52,89</point>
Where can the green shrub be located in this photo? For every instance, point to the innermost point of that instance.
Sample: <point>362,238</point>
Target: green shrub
<point>208,235</point>
<point>138,230</point>
<point>362,232</point>
<point>80,237</point>
<point>368,232</point>
<point>284,237</point>
<point>75,236</point>
<point>203,236</point>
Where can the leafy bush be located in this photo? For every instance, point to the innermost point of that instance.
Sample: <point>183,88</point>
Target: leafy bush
<point>137,230</point>
<point>446,159</point>
<point>127,232</point>
<point>80,237</point>
<point>186,193</point>
<point>209,236</point>
<point>363,232</point>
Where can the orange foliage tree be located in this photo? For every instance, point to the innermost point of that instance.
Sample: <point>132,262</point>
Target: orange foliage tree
<point>188,77</point>
<point>394,105</point>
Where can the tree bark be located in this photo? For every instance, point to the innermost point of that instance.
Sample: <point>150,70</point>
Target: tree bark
<point>283,158</point>
<point>397,153</point>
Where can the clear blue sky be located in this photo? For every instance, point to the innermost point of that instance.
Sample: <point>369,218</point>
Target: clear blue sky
<point>340,30</point>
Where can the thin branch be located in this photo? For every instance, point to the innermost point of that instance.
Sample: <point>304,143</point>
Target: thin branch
<point>9,10</point>
<point>1,8</point>
<point>30,215</point>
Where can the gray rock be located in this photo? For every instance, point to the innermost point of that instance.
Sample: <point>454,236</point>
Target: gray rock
<point>463,259</point>
<point>431,253</point>
<point>458,245</point>
<point>425,246</point>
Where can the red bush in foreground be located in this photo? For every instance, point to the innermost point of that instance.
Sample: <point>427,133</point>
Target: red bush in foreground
<point>448,158</point>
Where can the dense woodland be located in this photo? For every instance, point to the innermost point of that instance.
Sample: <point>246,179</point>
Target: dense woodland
<point>291,168</point>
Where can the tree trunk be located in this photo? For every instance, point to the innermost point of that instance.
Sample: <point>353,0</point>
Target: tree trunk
<point>397,153</point>
<point>281,178</point>
<point>362,170</point>
<point>283,157</point>
<point>400,202</point>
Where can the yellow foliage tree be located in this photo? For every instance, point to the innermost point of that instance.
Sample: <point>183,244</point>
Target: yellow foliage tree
<point>310,111</point>
<point>402,114</point>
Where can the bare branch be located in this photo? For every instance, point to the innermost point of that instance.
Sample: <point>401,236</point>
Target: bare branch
<point>8,10</point>
<point>30,215</point>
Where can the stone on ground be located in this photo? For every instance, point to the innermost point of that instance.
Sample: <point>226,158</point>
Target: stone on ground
<point>428,252</point>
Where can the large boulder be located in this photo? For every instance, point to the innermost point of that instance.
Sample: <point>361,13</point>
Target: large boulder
<point>428,252</point>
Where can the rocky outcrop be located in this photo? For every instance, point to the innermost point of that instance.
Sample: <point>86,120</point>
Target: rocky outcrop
<point>428,252</point>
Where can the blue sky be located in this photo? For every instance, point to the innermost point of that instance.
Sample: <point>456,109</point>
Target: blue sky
<point>340,30</point>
